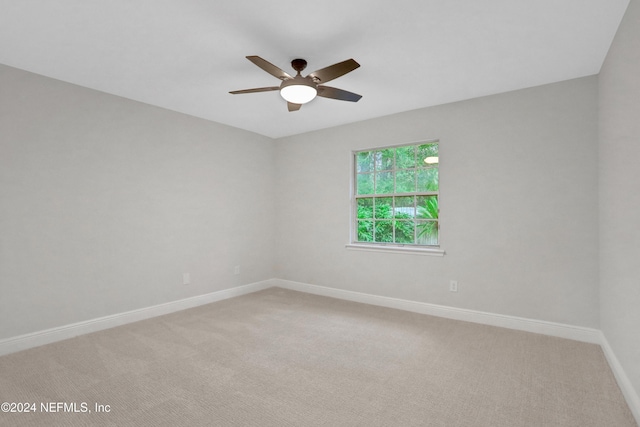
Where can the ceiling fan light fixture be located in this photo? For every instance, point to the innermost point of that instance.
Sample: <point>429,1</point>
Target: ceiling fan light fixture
<point>298,90</point>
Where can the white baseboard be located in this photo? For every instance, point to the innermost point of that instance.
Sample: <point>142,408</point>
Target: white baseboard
<point>630,394</point>
<point>593,336</point>
<point>23,342</point>
<point>577,333</point>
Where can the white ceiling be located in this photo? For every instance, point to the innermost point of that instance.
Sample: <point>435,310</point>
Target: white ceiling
<point>186,55</point>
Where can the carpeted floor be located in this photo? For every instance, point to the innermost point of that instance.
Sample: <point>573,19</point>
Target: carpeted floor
<point>284,358</point>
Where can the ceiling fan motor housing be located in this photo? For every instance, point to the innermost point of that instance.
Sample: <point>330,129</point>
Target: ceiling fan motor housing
<point>299,65</point>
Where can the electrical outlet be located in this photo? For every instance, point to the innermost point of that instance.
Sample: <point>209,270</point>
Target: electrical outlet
<point>453,286</point>
<point>236,269</point>
<point>186,278</point>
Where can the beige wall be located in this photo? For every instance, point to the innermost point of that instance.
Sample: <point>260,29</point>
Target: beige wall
<point>518,198</point>
<point>105,202</point>
<point>619,128</point>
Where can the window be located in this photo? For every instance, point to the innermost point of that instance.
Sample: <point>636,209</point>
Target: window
<point>395,196</point>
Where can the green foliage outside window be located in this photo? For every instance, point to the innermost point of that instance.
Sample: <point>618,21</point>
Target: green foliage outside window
<point>397,195</point>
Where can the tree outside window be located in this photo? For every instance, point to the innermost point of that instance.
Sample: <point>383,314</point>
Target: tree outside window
<point>396,195</point>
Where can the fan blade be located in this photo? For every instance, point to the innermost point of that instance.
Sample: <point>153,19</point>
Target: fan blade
<point>334,71</point>
<point>258,89</point>
<point>335,93</point>
<point>293,107</point>
<point>269,67</point>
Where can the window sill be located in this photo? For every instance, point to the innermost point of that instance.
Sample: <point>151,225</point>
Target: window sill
<point>396,249</point>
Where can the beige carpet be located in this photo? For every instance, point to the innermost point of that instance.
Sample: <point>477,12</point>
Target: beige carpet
<point>284,358</point>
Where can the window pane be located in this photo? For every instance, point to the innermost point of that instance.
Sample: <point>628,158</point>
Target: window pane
<point>365,208</point>
<point>384,182</point>
<point>388,184</point>
<point>427,207</point>
<point>384,159</point>
<point>427,232</point>
<point>384,231</point>
<point>428,179</point>
<point>406,181</point>
<point>404,207</point>
<point>383,207</point>
<point>427,151</point>
<point>365,231</point>
<point>404,231</point>
<point>365,183</point>
<point>365,161</point>
<point>406,157</point>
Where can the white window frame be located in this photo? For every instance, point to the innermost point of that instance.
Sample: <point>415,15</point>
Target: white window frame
<point>409,248</point>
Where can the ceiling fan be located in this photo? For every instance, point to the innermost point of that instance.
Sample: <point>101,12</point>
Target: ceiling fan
<point>299,90</point>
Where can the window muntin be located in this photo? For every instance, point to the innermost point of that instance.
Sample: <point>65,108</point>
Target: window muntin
<point>396,195</point>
